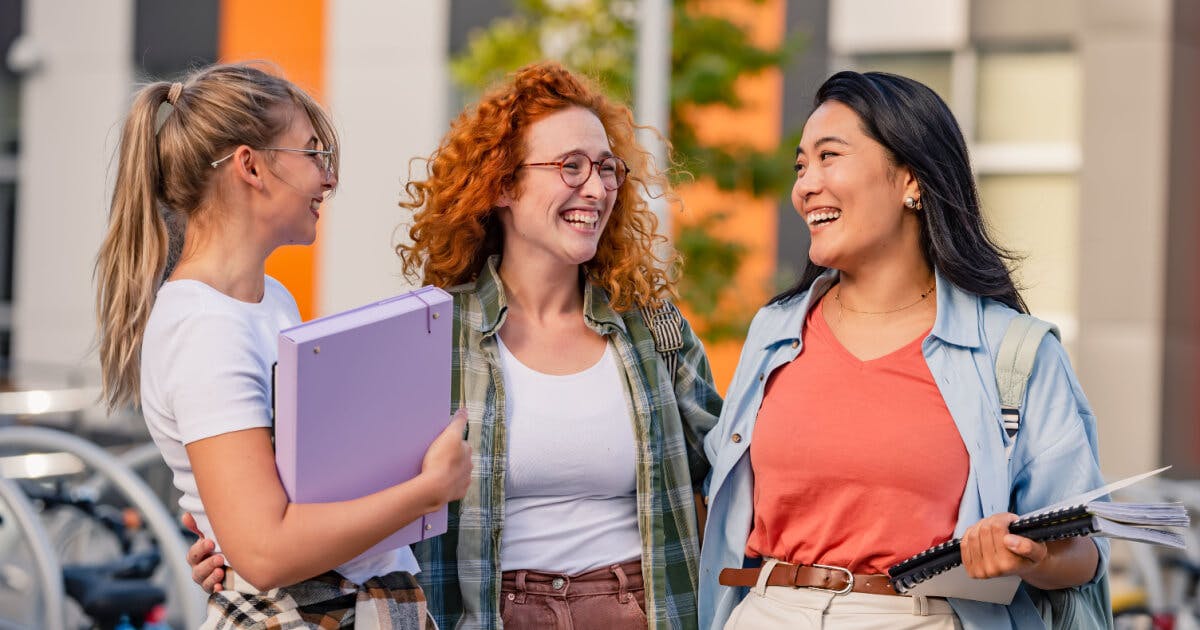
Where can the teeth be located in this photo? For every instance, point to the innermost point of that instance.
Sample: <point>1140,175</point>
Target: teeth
<point>818,217</point>
<point>581,217</point>
<point>314,205</point>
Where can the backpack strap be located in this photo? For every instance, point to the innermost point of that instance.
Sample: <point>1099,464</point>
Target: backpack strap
<point>1014,365</point>
<point>666,326</point>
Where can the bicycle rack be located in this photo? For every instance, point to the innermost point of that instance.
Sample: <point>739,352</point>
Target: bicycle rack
<point>191,600</point>
<point>49,570</point>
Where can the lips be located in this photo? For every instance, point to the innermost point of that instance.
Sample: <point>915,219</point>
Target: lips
<point>822,216</point>
<point>584,218</point>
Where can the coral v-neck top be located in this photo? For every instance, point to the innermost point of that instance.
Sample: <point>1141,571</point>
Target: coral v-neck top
<point>857,464</point>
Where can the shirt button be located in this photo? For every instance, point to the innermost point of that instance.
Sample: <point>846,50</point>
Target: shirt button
<point>737,437</point>
<point>557,583</point>
<point>511,596</point>
<point>796,344</point>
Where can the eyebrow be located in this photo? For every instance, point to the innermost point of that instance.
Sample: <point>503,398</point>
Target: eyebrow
<point>603,154</point>
<point>818,143</point>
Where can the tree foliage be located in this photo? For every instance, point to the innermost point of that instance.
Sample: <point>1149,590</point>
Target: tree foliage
<point>708,56</point>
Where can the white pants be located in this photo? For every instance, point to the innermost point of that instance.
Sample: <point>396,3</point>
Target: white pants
<point>768,607</point>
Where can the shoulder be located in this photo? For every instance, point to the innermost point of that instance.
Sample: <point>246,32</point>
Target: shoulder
<point>997,319</point>
<point>464,294</point>
<point>468,308</point>
<point>183,306</point>
<point>775,317</point>
<point>465,288</point>
<point>275,291</point>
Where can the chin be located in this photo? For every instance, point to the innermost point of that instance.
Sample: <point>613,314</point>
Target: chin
<point>583,257</point>
<point>303,239</point>
<point>823,259</point>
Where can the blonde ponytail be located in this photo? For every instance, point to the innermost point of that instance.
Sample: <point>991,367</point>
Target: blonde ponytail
<point>172,134</point>
<point>130,266</point>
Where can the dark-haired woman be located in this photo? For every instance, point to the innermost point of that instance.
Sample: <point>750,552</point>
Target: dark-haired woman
<point>863,423</point>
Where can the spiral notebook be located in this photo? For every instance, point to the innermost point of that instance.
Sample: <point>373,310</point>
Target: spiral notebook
<point>938,571</point>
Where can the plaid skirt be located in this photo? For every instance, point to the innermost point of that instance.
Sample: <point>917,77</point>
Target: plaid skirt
<point>391,602</point>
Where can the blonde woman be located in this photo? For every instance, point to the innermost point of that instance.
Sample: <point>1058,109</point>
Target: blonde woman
<point>243,159</point>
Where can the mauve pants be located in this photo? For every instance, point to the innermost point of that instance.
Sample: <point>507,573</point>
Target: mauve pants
<point>605,599</point>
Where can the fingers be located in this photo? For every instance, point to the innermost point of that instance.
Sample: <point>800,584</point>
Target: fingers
<point>189,522</point>
<point>209,573</point>
<point>966,548</point>
<point>1030,550</point>
<point>988,550</point>
<point>458,423</point>
<point>199,551</point>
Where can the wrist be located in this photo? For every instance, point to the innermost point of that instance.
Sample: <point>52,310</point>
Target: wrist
<point>432,490</point>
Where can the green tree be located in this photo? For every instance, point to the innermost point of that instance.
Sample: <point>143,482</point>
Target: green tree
<point>708,55</point>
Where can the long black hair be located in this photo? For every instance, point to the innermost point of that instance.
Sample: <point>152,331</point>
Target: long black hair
<point>918,131</point>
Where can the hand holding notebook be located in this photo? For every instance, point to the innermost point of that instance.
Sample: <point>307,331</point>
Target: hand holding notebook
<point>938,571</point>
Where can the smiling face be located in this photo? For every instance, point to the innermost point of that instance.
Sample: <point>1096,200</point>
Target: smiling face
<point>850,194</point>
<point>300,184</point>
<point>544,218</point>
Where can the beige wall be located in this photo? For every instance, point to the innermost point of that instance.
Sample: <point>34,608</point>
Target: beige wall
<point>1125,50</point>
<point>72,104</point>
<point>388,91</point>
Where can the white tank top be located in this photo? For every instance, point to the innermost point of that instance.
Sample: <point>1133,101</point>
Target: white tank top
<point>571,484</point>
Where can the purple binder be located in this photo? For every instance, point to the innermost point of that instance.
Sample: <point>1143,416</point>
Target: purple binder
<point>359,397</point>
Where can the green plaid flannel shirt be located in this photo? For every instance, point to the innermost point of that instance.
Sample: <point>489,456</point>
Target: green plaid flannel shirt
<point>460,570</point>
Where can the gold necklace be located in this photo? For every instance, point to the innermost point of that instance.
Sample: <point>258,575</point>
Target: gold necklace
<point>837,297</point>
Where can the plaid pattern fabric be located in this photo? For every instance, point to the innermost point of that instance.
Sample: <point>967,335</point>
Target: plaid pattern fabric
<point>460,570</point>
<point>390,602</point>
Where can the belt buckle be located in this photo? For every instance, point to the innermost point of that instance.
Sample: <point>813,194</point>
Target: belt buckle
<point>849,579</point>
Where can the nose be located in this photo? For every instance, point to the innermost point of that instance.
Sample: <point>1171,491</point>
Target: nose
<point>329,181</point>
<point>593,187</point>
<point>808,184</point>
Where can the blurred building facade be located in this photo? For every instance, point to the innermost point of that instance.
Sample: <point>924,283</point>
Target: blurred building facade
<point>1081,115</point>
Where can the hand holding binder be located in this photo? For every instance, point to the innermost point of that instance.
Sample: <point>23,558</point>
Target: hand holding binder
<point>360,396</point>
<point>448,460</point>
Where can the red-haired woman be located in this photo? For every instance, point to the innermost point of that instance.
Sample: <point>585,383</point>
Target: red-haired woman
<point>580,509</point>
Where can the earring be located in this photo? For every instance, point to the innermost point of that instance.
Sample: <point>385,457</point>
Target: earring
<point>911,203</point>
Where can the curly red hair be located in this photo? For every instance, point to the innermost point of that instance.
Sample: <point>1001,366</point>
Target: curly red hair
<point>455,229</point>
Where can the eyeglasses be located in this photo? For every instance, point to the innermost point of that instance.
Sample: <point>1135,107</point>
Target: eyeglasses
<point>323,157</point>
<point>576,168</point>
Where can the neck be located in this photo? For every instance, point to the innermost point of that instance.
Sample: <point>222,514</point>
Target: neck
<point>219,253</point>
<point>885,287</point>
<point>540,291</point>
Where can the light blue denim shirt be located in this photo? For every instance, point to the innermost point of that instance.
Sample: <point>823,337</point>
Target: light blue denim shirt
<point>1054,458</point>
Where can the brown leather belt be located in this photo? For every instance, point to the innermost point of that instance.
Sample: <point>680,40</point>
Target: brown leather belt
<point>836,579</point>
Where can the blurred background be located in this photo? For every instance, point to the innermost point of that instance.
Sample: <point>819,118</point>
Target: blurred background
<point>1081,116</point>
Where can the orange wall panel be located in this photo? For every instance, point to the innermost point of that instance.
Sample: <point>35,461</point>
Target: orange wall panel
<point>757,123</point>
<point>291,35</point>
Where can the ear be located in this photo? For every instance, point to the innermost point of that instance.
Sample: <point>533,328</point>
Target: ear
<point>248,166</point>
<point>912,188</point>
<point>505,200</point>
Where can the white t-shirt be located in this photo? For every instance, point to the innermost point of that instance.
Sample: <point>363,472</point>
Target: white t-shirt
<point>206,370</point>
<point>571,484</point>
